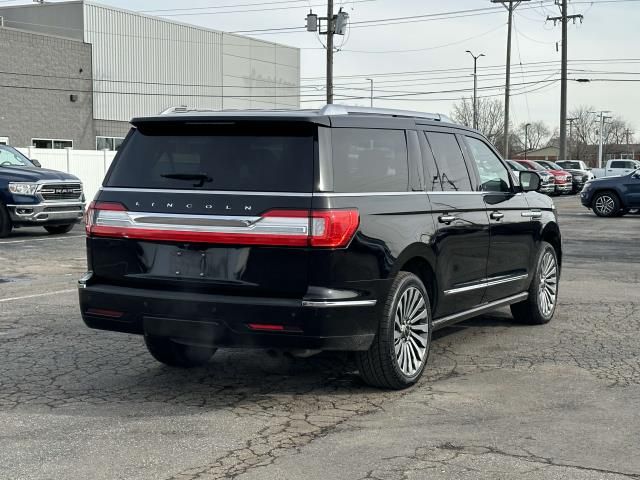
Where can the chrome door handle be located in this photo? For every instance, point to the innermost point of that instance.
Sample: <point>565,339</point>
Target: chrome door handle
<point>447,219</point>
<point>531,214</point>
<point>497,215</point>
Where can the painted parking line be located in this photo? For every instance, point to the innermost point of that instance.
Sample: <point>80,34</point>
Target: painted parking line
<point>41,239</point>
<point>37,295</point>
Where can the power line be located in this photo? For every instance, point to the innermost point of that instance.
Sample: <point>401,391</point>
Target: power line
<point>199,13</point>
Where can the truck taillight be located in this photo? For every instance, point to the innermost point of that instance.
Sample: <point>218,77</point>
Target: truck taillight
<point>295,228</point>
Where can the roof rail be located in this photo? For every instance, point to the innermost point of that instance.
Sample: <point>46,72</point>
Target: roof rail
<point>332,109</point>
<point>175,109</point>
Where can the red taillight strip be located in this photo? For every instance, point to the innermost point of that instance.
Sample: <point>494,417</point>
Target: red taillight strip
<point>297,228</point>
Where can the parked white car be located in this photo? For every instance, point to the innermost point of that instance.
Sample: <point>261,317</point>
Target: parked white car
<point>616,167</point>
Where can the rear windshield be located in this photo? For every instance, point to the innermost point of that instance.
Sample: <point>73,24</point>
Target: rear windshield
<point>238,157</point>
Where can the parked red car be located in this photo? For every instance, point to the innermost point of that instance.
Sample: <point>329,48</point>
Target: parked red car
<point>564,180</point>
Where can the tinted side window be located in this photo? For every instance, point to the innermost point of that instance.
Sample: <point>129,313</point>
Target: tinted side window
<point>494,177</point>
<point>451,166</point>
<point>432,176</point>
<point>617,165</point>
<point>369,160</point>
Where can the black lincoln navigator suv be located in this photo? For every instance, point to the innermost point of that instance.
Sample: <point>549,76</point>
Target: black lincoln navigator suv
<point>339,229</point>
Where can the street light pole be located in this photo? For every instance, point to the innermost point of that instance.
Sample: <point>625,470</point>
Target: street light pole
<point>570,139</point>
<point>526,139</point>
<point>475,87</point>
<point>371,80</point>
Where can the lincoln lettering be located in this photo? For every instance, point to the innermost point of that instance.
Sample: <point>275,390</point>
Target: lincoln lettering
<point>188,206</point>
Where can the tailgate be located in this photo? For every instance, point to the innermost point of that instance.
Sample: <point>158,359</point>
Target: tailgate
<point>213,208</point>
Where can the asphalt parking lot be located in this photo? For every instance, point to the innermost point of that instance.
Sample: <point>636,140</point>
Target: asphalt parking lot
<point>499,400</point>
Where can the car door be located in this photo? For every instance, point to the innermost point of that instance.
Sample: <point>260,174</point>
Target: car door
<point>511,230</point>
<point>461,241</point>
<point>631,184</point>
<point>620,167</point>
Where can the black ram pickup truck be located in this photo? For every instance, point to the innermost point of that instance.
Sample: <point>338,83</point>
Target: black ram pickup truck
<point>33,196</point>
<point>612,196</point>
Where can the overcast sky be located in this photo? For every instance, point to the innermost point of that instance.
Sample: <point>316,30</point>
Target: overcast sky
<point>611,30</point>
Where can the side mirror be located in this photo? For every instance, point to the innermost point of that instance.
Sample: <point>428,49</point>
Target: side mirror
<point>530,181</point>
<point>36,163</point>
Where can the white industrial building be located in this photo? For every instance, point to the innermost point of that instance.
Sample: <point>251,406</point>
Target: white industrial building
<point>141,65</point>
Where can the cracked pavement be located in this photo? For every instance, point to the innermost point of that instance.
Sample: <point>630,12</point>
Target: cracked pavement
<point>499,400</point>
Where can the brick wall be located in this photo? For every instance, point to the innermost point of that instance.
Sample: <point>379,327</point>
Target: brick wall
<point>38,73</point>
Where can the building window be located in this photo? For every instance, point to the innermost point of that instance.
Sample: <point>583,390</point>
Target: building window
<point>108,143</point>
<point>51,143</point>
<point>4,140</point>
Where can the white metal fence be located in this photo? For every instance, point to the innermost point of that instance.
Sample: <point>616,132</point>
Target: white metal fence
<point>90,166</point>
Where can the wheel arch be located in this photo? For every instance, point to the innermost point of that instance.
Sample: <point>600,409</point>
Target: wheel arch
<point>420,260</point>
<point>551,234</point>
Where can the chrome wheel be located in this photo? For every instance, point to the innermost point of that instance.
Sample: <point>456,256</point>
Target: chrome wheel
<point>411,331</point>
<point>548,288</point>
<point>605,204</point>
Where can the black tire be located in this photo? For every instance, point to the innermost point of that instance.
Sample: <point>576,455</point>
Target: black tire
<point>381,365</point>
<point>533,310</point>
<point>5,222</point>
<point>58,229</point>
<point>175,354</point>
<point>605,204</point>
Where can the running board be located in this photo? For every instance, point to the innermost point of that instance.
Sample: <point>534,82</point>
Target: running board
<point>480,309</point>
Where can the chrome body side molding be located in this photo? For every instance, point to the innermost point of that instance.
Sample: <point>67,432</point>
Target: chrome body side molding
<point>486,282</point>
<point>480,309</point>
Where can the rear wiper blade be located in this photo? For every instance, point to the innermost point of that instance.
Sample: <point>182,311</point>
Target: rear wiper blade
<point>201,177</point>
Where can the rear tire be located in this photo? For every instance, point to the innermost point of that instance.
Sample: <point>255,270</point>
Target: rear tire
<point>175,354</point>
<point>400,349</point>
<point>606,204</point>
<point>540,306</point>
<point>59,229</point>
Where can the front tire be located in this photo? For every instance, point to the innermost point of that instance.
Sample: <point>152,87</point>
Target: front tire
<point>5,222</point>
<point>175,354</point>
<point>400,349</point>
<point>58,229</point>
<point>540,306</point>
<point>606,204</point>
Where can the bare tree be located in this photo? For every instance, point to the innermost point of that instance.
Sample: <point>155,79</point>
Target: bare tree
<point>538,135</point>
<point>490,116</point>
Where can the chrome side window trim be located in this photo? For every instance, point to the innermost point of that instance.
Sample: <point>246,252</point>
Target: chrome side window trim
<point>456,193</point>
<point>367,194</point>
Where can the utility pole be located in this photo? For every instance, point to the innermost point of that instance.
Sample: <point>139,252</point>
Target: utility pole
<point>371,80</point>
<point>330,33</point>
<point>526,139</point>
<point>335,25</point>
<point>570,120</point>
<point>510,5</point>
<point>602,119</point>
<point>627,134</point>
<point>563,18</point>
<point>475,87</point>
